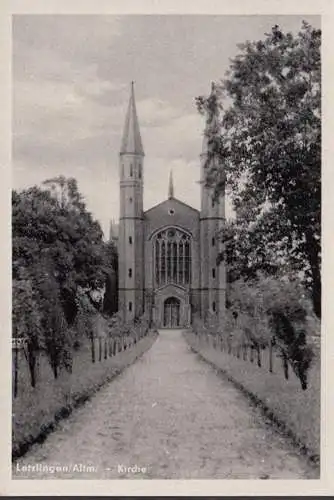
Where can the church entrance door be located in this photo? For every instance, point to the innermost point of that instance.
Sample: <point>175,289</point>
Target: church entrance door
<point>172,313</point>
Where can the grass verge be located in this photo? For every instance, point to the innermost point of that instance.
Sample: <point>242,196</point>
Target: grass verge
<point>294,412</point>
<point>36,411</point>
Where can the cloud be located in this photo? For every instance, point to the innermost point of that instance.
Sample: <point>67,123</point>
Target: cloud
<point>71,78</point>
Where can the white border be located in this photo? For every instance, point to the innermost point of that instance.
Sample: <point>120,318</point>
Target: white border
<point>324,486</point>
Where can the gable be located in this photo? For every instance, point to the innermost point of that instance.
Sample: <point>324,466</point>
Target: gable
<point>171,212</point>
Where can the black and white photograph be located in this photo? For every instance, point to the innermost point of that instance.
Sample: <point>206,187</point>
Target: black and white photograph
<point>166,247</point>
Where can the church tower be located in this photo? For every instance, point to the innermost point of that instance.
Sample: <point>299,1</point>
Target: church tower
<point>130,240</point>
<point>213,276</point>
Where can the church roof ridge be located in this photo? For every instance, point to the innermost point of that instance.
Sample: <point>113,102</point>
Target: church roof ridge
<point>131,140</point>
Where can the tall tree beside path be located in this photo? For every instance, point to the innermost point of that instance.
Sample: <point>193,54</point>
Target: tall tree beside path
<point>57,250</point>
<point>269,145</point>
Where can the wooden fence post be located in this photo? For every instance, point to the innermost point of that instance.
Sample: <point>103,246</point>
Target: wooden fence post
<point>251,354</point>
<point>105,348</point>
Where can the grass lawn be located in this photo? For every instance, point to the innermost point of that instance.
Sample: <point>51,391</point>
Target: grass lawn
<point>35,411</point>
<point>295,411</point>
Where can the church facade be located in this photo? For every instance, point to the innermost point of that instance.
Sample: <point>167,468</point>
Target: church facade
<point>168,254</point>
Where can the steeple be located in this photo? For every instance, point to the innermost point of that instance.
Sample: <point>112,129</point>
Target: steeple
<point>131,142</point>
<point>171,185</point>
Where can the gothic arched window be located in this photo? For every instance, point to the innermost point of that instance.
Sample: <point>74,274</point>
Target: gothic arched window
<point>172,257</point>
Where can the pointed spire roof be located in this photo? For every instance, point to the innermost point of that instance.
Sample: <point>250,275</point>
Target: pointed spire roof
<point>171,185</point>
<point>131,141</point>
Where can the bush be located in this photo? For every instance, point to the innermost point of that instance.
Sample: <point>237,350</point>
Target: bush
<point>269,311</point>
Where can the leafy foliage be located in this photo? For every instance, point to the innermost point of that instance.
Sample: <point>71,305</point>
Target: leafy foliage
<point>279,312</point>
<point>59,257</point>
<point>267,148</point>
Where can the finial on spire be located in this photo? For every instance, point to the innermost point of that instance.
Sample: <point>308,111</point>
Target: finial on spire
<point>171,185</point>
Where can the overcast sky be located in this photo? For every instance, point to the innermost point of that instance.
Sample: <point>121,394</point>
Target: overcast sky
<point>71,82</point>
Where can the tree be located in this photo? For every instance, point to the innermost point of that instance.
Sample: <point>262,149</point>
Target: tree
<point>58,254</point>
<point>53,224</point>
<point>110,300</point>
<point>269,146</point>
<point>26,321</point>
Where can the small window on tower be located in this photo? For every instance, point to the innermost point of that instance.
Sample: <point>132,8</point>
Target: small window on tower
<point>139,171</point>
<point>213,242</point>
<point>130,240</point>
<point>130,200</point>
<point>130,306</point>
<point>213,273</point>
<point>131,170</point>
<point>212,202</point>
<point>214,306</point>
<point>130,272</point>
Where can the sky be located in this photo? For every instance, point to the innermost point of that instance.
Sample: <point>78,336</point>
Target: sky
<point>71,86</point>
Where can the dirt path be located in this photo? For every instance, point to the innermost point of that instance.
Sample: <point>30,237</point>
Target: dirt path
<point>168,416</point>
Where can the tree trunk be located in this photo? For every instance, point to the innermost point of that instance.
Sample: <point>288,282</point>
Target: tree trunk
<point>32,366</point>
<point>55,368</point>
<point>313,251</point>
<point>258,349</point>
<point>100,349</point>
<point>285,366</point>
<point>271,356</point>
<point>92,343</point>
<point>16,369</point>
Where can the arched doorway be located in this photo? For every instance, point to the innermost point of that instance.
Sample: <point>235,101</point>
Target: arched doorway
<point>172,313</point>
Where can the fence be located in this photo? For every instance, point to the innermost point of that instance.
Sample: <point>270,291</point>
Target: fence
<point>33,367</point>
<point>269,357</point>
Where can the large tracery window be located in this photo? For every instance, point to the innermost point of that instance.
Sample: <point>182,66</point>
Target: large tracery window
<point>172,257</point>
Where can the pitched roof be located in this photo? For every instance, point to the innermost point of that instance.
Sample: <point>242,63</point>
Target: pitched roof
<point>176,200</point>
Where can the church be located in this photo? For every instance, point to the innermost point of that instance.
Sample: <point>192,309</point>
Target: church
<point>167,266</point>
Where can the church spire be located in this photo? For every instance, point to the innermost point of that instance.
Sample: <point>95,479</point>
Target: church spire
<point>131,142</point>
<point>171,185</point>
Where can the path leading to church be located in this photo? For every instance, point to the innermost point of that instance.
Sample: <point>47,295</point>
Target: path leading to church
<point>168,416</point>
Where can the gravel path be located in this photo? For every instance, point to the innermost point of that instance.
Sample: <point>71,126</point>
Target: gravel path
<point>168,416</point>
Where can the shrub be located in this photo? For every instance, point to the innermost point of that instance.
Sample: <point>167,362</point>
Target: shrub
<point>269,311</point>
